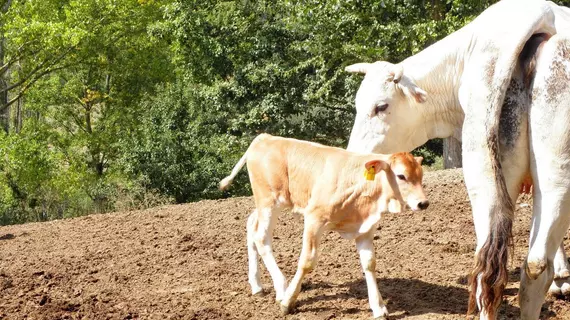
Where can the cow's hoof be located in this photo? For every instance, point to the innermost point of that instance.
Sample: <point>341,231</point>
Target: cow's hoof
<point>560,287</point>
<point>562,274</point>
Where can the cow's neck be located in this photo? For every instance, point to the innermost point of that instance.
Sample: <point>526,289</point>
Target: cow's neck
<point>437,69</point>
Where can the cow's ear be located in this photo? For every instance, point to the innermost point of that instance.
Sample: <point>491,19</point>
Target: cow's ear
<point>358,67</point>
<point>415,92</point>
<point>378,165</point>
<point>419,160</point>
<point>396,74</point>
<point>419,94</point>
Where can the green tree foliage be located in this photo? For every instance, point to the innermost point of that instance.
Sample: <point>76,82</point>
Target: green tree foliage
<point>121,104</point>
<point>271,66</point>
<point>79,112</point>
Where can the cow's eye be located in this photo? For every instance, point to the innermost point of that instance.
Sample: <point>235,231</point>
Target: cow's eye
<point>401,177</point>
<point>380,107</point>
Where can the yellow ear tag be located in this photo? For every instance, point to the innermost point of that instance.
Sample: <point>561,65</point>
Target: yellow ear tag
<point>370,173</point>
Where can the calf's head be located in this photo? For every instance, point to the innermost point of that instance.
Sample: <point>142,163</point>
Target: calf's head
<point>408,173</point>
<point>387,118</point>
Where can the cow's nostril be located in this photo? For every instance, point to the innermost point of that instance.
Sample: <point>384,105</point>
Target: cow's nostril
<point>423,205</point>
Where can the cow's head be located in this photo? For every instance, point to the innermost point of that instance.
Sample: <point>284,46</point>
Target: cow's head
<point>387,117</point>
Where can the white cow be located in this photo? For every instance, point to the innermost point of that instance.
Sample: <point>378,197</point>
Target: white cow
<point>501,85</point>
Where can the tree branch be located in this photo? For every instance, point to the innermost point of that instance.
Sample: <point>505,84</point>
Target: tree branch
<point>47,70</point>
<point>6,6</point>
<point>17,58</point>
<point>28,85</point>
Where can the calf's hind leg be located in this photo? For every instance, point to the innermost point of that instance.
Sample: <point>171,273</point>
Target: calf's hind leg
<point>307,261</point>
<point>263,236</point>
<point>253,275</point>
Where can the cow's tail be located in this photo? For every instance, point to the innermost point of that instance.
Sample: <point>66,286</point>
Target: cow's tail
<point>225,183</point>
<point>491,272</point>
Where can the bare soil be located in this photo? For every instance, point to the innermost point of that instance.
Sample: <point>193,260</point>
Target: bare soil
<point>190,262</point>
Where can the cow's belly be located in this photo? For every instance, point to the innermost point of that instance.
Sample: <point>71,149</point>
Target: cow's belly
<point>513,135</point>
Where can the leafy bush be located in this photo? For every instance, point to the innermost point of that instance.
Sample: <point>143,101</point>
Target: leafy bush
<point>129,104</point>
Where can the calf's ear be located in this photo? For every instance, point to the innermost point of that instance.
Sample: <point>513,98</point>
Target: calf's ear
<point>419,160</point>
<point>394,206</point>
<point>378,165</point>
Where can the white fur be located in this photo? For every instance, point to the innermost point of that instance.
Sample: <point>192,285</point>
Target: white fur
<point>460,76</point>
<point>368,260</point>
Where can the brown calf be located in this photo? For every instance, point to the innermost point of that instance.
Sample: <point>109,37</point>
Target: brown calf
<point>333,189</point>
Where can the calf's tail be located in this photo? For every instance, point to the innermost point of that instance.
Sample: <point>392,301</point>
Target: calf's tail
<point>225,183</point>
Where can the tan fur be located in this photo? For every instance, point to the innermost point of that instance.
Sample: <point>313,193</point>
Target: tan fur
<point>302,175</point>
<point>328,187</point>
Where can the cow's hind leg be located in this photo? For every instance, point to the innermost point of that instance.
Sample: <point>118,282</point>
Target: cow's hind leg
<point>365,247</point>
<point>515,163</point>
<point>307,261</point>
<point>549,224</point>
<point>263,236</point>
<point>550,168</point>
<point>561,283</point>
<point>253,275</point>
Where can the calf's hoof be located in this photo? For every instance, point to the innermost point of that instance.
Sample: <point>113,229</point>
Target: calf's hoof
<point>285,309</point>
<point>258,293</point>
<point>381,314</point>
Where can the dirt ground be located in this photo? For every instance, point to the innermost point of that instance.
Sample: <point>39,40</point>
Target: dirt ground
<point>190,262</point>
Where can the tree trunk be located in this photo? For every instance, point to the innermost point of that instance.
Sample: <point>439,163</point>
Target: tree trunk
<point>4,107</point>
<point>18,116</point>
<point>437,12</point>
<point>451,153</point>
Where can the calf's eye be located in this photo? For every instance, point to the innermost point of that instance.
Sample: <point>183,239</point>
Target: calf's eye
<point>401,177</point>
<point>380,107</point>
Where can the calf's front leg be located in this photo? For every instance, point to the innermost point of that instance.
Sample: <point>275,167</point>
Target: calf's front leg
<point>307,261</point>
<point>365,247</point>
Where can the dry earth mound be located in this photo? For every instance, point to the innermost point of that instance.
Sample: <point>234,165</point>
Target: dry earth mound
<point>190,262</point>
